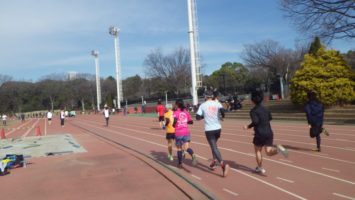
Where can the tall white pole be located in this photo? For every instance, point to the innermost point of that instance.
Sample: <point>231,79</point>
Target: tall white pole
<point>98,87</point>
<point>166,97</point>
<point>114,31</point>
<point>281,88</point>
<point>192,53</point>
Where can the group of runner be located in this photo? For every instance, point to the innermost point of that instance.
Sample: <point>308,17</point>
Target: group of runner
<point>176,119</point>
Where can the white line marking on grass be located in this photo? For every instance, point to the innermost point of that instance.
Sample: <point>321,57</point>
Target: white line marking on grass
<point>196,177</point>
<point>286,180</point>
<point>343,196</point>
<point>230,192</point>
<point>332,170</point>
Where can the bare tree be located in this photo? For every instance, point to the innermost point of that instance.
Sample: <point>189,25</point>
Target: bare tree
<point>273,59</point>
<point>327,19</point>
<point>173,69</point>
<point>4,79</point>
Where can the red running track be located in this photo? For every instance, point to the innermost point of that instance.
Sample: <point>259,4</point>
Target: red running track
<point>304,175</point>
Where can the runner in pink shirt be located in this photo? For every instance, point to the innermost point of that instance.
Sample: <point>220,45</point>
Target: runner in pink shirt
<point>182,134</point>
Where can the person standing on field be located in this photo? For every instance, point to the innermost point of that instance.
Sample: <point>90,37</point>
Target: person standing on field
<point>49,117</point>
<point>62,117</point>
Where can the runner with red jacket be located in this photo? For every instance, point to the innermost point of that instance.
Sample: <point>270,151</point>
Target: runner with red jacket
<point>161,112</point>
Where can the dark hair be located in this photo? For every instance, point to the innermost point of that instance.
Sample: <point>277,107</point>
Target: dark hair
<point>257,97</point>
<point>180,104</point>
<point>208,94</point>
<point>159,101</point>
<point>311,96</point>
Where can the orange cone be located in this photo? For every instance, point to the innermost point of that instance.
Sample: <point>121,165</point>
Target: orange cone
<point>3,133</point>
<point>38,131</point>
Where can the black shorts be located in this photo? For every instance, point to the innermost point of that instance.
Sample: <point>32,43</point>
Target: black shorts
<point>170,136</point>
<point>315,130</point>
<point>49,119</point>
<point>263,140</point>
<point>215,134</point>
<point>161,118</point>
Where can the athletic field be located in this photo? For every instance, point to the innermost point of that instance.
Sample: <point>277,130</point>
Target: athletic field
<point>328,174</point>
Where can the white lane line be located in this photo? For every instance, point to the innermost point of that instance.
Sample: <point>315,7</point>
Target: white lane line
<point>286,180</point>
<point>196,177</point>
<point>289,161</point>
<point>332,170</point>
<point>30,129</point>
<point>236,170</point>
<point>289,165</point>
<point>269,184</point>
<point>275,161</point>
<point>230,192</point>
<point>320,156</point>
<point>343,196</point>
<point>289,141</point>
<point>18,127</point>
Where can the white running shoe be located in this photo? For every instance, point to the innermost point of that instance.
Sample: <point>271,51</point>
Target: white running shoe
<point>259,170</point>
<point>282,150</point>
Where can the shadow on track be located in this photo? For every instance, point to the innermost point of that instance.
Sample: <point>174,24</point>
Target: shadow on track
<point>296,148</point>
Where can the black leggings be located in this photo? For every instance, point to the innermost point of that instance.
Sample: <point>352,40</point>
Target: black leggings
<point>212,138</point>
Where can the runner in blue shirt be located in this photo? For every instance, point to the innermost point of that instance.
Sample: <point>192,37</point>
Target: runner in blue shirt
<point>209,111</point>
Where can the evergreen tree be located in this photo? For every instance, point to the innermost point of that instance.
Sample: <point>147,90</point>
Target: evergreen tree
<point>328,75</point>
<point>315,46</point>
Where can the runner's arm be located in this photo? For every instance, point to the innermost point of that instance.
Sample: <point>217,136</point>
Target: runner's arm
<point>175,121</point>
<point>221,110</point>
<point>254,120</point>
<point>167,121</point>
<point>199,117</point>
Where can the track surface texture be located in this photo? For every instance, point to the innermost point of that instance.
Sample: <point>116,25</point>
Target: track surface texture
<point>111,171</point>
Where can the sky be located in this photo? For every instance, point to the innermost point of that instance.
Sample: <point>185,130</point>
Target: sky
<point>42,37</point>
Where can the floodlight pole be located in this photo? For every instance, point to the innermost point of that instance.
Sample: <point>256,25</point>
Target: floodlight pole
<point>192,53</point>
<point>114,31</point>
<point>98,87</point>
<point>166,97</point>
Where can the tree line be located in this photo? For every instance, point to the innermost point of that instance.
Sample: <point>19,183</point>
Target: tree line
<point>265,62</point>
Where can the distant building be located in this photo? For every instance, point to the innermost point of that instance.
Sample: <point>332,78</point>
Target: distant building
<point>71,76</point>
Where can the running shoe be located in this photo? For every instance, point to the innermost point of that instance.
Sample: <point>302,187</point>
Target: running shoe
<point>225,168</point>
<point>259,170</point>
<point>316,149</point>
<point>325,132</point>
<point>170,157</point>
<point>194,160</point>
<point>213,165</point>
<point>282,150</point>
<point>179,165</point>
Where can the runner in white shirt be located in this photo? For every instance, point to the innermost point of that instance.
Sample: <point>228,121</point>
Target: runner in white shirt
<point>49,117</point>
<point>107,115</point>
<point>62,117</point>
<point>4,117</point>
